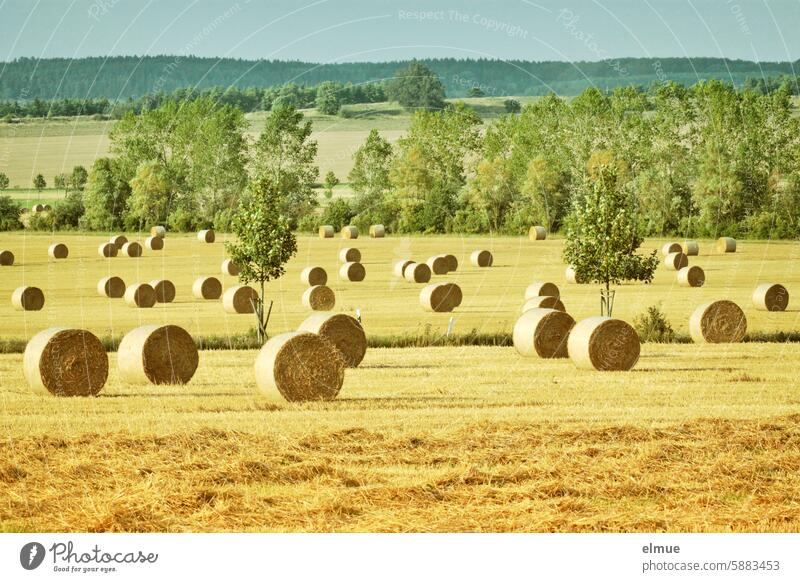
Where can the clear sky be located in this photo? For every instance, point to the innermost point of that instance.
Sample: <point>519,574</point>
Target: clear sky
<point>379,30</point>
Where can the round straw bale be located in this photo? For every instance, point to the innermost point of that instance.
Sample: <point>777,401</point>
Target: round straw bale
<point>603,343</point>
<point>58,251</point>
<point>314,276</point>
<point>440,297</point>
<point>140,295</point>
<point>230,268</point>
<point>300,366</point>
<point>132,249</point>
<point>452,263</point>
<point>481,259</point>
<point>207,288</point>
<point>352,272</point>
<point>417,273</point>
<point>726,244</point>
<point>239,299</point>
<point>158,231</point>
<point>718,322</point>
<point>164,289</point>
<point>46,208</point>
<point>206,236</point>
<point>349,232</point>
<point>692,276</point>
<point>319,298</point>
<point>65,362</point>
<point>672,247</point>
<point>537,233</point>
<point>154,243</point>
<point>400,267</point>
<point>572,276</point>
<point>27,299</point>
<point>350,255</point>
<point>676,261</point>
<point>118,240</point>
<point>771,297</point>
<point>113,287</point>
<point>690,248</point>
<point>326,231</point>
<point>6,258</point>
<point>542,289</point>
<point>157,354</point>
<point>438,265</point>
<point>377,231</point>
<point>38,207</point>
<point>543,333</point>
<point>543,302</point>
<point>107,250</point>
<point>343,331</point>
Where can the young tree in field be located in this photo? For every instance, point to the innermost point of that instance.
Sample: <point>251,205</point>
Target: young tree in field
<point>39,183</point>
<point>264,240</point>
<point>4,181</point>
<point>417,87</point>
<point>369,177</point>
<point>602,237</point>
<point>105,197</point>
<point>331,181</point>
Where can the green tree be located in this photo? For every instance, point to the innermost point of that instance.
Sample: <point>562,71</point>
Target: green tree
<point>492,191</point>
<point>369,177</point>
<point>150,196</point>
<point>4,181</point>
<point>512,106</point>
<point>39,182</point>
<point>338,214</point>
<point>60,181</point>
<point>9,214</point>
<point>78,177</point>
<point>331,181</point>
<point>417,87</point>
<point>328,101</point>
<point>106,196</point>
<point>264,240</point>
<point>602,237</point>
<point>475,92</point>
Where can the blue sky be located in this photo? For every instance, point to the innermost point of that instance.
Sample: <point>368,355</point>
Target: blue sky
<point>378,30</point>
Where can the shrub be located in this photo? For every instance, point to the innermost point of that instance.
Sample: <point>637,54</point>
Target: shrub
<point>512,106</point>
<point>9,214</point>
<point>338,214</point>
<point>652,326</point>
<point>68,212</point>
<point>309,223</point>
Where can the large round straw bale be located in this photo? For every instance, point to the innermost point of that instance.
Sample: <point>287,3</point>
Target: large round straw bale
<point>319,298</point>
<point>65,362</point>
<point>377,231</point>
<point>207,288</point>
<point>349,232</point>
<point>46,208</point>
<point>400,267</point>
<point>326,231</point>
<point>672,247</point>
<point>314,276</point>
<point>118,240</point>
<point>230,268</point>
<point>206,236</point>
<point>154,243</point>
<point>132,249</point>
<point>343,331</point>
<point>239,299</point>
<point>542,289</point>
<point>140,295</point>
<point>27,299</point>
<point>350,255</point>
<point>157,354</point>
<point>438,264</point>
<point>692,276</point>
<point>572,276</point>
<point>690,248</point>
<point>6,258</point>
<point>676,261</point>
<point>300,366</point>
<point>164,289</point>
<point>440,297</point>
<point>726,244</point>
<point>603,343</point>
<point>543,302</point>
<point>113,287</point>
<point>158,231</point>
<point>452,263</point>
<point>543,333</point>
<point>481,259</point>
<point>107,250</point>
<point>58,251</point>
<point>537,233</point>
<point>718,322</point>
<point>417,273</point>
<point>38,207</point>
<point>352,272</point>
<point>771,297</point>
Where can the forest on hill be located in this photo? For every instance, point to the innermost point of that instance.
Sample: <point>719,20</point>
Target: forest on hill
<point>123,77</point>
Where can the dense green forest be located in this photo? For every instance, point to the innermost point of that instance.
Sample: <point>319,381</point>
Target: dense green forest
<point>118,78</point>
